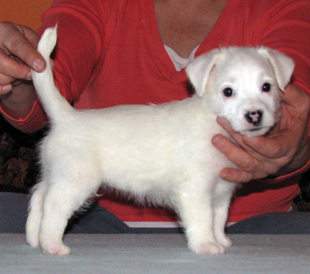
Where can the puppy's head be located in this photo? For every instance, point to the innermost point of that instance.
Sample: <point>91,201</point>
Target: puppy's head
<point>242,85</point>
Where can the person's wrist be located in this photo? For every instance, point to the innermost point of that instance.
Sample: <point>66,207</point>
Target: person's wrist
<point>19,101</point>
<point>300,160</point>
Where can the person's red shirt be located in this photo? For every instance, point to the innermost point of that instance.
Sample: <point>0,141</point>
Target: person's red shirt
<point>109,52</point>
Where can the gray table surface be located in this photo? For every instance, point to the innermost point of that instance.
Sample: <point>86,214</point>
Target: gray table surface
<point>157,253</point>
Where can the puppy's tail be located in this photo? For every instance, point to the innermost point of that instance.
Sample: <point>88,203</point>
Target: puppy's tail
<point>55,105</point>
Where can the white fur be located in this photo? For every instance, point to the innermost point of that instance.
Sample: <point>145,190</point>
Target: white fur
<point>162,152</point>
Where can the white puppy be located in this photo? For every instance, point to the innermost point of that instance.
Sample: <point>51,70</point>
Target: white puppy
<point>159,152</point>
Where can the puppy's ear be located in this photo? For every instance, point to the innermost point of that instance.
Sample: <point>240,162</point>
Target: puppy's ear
<point>283,66</point>
<point>199,70</point>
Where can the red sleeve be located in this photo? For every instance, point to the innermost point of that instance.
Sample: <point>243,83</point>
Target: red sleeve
<point>35,120</point>
<point>80,42</point>
<point>77,54</point>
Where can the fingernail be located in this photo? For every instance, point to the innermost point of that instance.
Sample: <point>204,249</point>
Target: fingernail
<point>38,65</point>
<point>221,121</point>
<point>6,88</point>
<point>217,140</point>
<point>224,175</point>
<point>248,139</point>
<point>29,76</point>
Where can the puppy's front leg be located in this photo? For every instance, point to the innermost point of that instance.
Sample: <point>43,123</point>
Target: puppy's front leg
<point>196,212</point>
<point>221,201</point>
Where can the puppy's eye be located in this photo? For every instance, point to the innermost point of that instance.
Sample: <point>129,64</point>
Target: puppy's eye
<point>266,87</point>
<point>228,92</point>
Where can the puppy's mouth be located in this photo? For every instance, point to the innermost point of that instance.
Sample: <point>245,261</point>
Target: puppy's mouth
<point>255,129</point>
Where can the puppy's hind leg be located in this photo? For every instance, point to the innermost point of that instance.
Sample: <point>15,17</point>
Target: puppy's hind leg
<point>62,200</point>
<point>35,214</point>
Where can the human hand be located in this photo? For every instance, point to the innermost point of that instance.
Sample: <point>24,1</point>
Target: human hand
<point>284,149</point>
<point>18,55</point>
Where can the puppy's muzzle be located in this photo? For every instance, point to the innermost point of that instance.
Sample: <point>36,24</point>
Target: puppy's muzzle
<point>254,117</point>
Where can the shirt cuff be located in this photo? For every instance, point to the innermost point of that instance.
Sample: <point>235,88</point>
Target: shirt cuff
<point>295,173</point>
<point>35,120</point>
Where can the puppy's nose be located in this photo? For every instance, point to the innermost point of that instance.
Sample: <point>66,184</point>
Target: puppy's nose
<point>254,117</point>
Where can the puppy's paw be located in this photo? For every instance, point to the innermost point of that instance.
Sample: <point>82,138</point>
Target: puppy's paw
<point>32,240</point>
<point>225,241</point>
<point>59,250</point>
<point>210,248</point>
